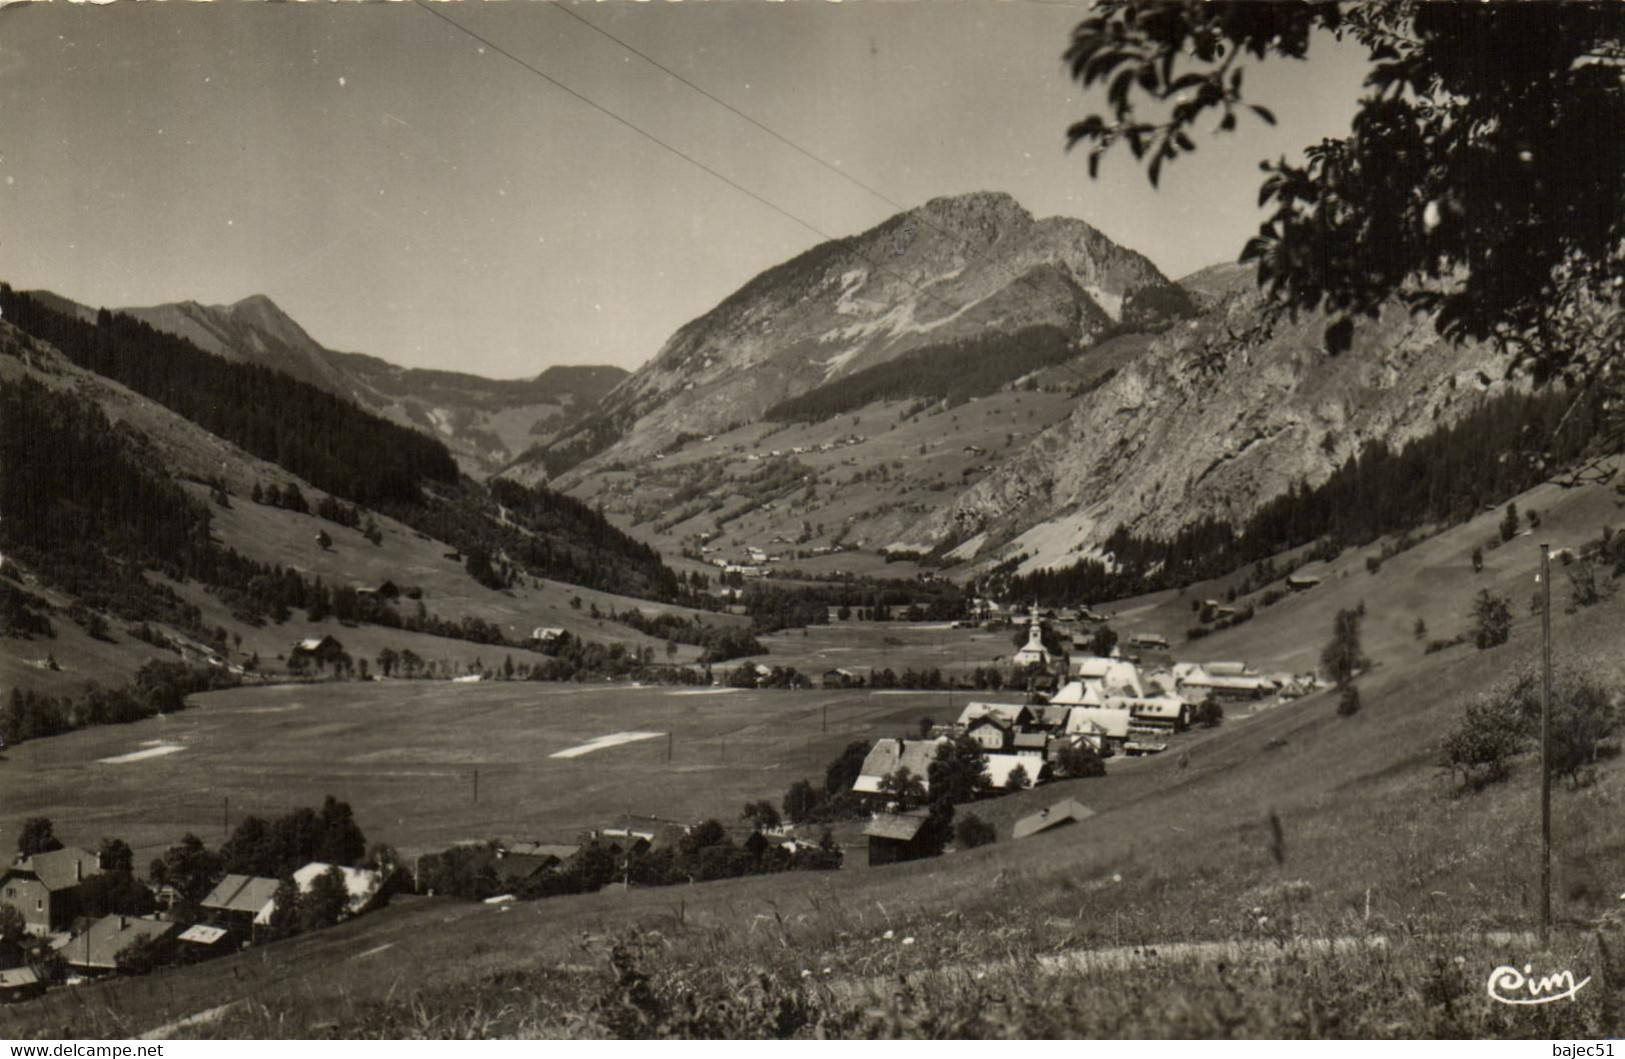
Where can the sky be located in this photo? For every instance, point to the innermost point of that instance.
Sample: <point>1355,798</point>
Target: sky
<point>404,190</point>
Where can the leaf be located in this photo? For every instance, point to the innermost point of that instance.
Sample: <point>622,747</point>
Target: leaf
<point>1340,336</point>
<point>1228,122</point>
<point>1263,113</point>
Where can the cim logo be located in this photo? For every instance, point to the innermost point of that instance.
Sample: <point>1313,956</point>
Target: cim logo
<point>1508,985</point>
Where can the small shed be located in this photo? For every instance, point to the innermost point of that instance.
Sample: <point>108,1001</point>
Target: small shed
<point>1061,814</point>
<point>896,837</point>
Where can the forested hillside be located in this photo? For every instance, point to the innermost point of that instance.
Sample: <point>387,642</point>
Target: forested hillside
<point>323,439</point>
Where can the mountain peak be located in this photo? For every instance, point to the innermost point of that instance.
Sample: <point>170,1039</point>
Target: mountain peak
<point>976,208</point>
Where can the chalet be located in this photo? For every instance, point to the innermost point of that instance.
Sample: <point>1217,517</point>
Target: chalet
<point>19,983</point>
<point>557,853</point>
<point>238,901</point>
<point>897,837</point>
<point>1060,814</point>
<point>321,650</point>
<point>1225,669</point>
<point>1151,641</point>
<point>1161,714</point>
<point>1050,718</point>
<point>1076,693</point>
<point>1013,714</point>
<point>1030,744</point>
<point>1109,676</point>
<point>1199,685</point>
<point>362,886</point>
<point>1302,582</point>
<point>1104,722</point>
<point>889,755</point>
<point>840,678</point>
<point>546,634</point>
<point>45,887</point>
<point>96,951</point>
<point>1042,684</point>
<point>991,732</point>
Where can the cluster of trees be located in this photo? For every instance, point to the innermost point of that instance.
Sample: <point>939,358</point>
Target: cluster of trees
<point>1496,727</point>
<point>159,687</point>
<point>1499,449</point>
<point>23,615</point>
<point>746,676</point>
<point>806,803</point>
<point>967,367</point>
<point>707,852</point>
<point>772,609</point>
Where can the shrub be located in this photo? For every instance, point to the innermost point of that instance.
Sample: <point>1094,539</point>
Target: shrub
<point>973,831</point>
<point>1079,762</point>
<point>1210,713</point>
<point>1492,620</point>
<point>1483,743</point>
<point>1348,704</point>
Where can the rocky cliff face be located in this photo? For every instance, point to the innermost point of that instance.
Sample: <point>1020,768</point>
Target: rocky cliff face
<point>1222,413</point>
<point>953,268</point>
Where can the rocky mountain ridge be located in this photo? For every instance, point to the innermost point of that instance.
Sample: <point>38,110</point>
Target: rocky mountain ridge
<point>951,269</point>
<point>1219,415</point>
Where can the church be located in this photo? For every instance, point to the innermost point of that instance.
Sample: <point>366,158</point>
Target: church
<point>1034,651</point>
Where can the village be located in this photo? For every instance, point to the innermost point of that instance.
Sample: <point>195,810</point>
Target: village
<point>70,914</point>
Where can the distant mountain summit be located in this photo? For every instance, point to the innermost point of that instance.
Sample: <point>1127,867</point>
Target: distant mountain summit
<point>942,274</point>
<point>484,422</point>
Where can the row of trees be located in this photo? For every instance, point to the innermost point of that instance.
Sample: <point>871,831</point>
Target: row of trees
<point>158,687</point>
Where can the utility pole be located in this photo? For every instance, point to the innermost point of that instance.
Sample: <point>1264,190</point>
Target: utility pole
<point>476,786</point>
<point>225,815</point>
<point>670,739</point>
<point>1545,744</point>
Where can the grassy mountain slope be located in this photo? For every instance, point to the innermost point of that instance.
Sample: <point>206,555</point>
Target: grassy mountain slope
<point>1368,841</point>
<point>171,449</point>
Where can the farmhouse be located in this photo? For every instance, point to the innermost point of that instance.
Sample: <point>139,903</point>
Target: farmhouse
<point>19,983</point>
<point>45,887</point>
<point>361,885</point>
<point>889,755</point>
<point>1302,582</point>
<point>1198,684</point>
<point>321,650</point>
<point>1109,676</point>
<point>1013,714</point>
<point>897,837</point>
<point>842,678</point>
<point>1162,714</point>
<point>1153,641</point>
<point>1058,815</point>
<point>238,901</point>
<point>545,634</point>
<point>97,949</point>
<point>992,733</point>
